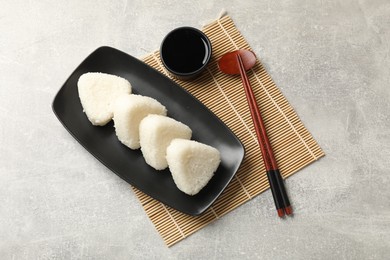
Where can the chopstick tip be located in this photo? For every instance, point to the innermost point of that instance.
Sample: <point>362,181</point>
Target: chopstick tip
<point>280,213</point>
<point>289,210</point>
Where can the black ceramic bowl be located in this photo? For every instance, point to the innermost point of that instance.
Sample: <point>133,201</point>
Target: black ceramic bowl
<point>185,52</point>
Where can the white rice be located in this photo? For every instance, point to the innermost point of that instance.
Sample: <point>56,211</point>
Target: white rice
<point>156,133</point>
<point>97,92</point>
<point>192,164</point>
<point>129,110</point>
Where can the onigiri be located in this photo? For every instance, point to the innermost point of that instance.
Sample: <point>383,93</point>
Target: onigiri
<point>97,92</point>
<point>129,110</point>
<point>192,164</point>
<point>156,133</point>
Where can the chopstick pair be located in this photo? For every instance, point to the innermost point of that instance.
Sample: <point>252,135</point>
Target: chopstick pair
<point>275,180</point>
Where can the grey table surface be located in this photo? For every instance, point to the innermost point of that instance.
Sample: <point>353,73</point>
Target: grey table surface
<point>331,59</point>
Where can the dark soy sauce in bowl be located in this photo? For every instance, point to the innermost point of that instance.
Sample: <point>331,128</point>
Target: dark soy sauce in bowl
<point>185,52</point>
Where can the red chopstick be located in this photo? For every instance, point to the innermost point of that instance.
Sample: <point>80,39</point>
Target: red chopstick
<point>275,179</point>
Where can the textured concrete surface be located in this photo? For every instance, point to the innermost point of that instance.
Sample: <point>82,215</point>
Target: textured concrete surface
<point>330,59</point>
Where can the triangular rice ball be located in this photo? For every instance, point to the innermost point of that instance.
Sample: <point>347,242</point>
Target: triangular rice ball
<point>156,133</point>
<point>192,164</point>
<point>129,110</point>
<point>97,92</point>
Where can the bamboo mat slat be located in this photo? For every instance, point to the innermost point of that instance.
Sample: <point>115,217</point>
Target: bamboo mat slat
<point>224,95</point>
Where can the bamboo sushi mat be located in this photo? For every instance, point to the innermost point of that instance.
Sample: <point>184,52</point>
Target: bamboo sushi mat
<point>293,145</point>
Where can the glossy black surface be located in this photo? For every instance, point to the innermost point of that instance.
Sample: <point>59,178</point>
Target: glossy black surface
<point>185,52</point>
<point>102,142</point>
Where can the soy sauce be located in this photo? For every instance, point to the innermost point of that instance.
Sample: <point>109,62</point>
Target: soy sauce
<point>185,51</point>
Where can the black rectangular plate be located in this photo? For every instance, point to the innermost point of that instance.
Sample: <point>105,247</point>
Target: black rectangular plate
<point>130,165</point>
